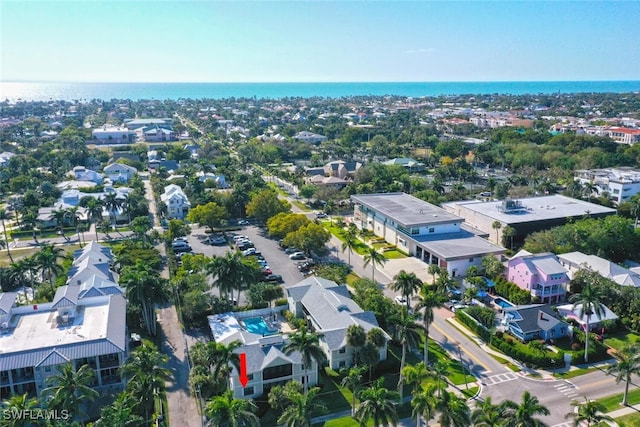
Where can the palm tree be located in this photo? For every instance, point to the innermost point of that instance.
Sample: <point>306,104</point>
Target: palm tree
<point>225,410</point>
<point>145,288</point>
<point>307,344</point>
<point>47,262</point>
<point>589,412</point>
<point>508,233</point>
<point>300,409</point>
<point>232,272</point>
<point>406,331</point>
<point>112,202</point>
<point>588,301</point>
<point>497,225</point>
<point>374,258</point>
<point>18,403</point>
<point>4,215</point>
<point>220,356</point>
<point>414,375</point>
<point>378,404</point>
<point>356,337</point>
<point>628,365</point>
<point>352,381</point>
<point>428,300</point>
<point>350,241</point>
<point>522,415</point>
<point>453,410</point>
<point>407,284</point>
<point>146,377</point>
<point>434,270</point>
<point>60,216</point>
<point>439,372</point>
<point>424,405</point>
<point>69,388</point>
<point>487,414</point>
<point>119,413</point>
<point>94,211</point>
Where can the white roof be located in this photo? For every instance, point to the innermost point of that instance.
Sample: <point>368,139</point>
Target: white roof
<point>573,311</point>
<point>605,268</point>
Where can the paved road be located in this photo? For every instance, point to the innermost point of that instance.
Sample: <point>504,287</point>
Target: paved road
<point>182,406</point>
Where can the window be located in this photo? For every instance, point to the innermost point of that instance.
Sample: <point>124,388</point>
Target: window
<point>470,259</point>
<point>277,371</point>
<point>342,364</point>
<point>250,377</point>
<point>343,350</point>
<point>248,391</point>
<point>415,231</point>
<point>431,230</point>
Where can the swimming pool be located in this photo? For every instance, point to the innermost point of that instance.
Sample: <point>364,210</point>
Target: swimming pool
<point>257,325</point>
<point>502,303</point>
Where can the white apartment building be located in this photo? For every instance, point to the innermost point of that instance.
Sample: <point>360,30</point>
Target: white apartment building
<point>113,135</point>
<point>423,230</point>
<point>620,183</point>
<point>84,324</point>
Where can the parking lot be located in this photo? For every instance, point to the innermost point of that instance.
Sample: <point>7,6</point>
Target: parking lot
<point>275,256</point>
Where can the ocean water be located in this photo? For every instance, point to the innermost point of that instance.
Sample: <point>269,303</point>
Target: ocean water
<point>41,91</point>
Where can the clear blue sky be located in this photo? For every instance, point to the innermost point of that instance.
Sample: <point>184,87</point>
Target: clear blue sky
<point>318,41</point>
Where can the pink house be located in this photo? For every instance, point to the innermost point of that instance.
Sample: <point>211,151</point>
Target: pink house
<point>541,274</point>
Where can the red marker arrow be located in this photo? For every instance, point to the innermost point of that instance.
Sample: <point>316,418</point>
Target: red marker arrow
<point>243,369</point>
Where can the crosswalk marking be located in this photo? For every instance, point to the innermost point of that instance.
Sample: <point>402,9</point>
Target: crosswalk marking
<point>563,425</point>
<point>499,378</point>
<point>567,388</point>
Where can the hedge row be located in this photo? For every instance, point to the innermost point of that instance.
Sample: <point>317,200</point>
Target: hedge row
<point>473,324</point>
<point>521,352</point>
<point>512,292</point>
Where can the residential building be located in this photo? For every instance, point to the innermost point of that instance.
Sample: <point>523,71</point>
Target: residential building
<point>409,164</point>
<point>84,324</point>
<point>5,157</point>
<point>423,230</point>
<point>620,183</point>
<point>80,173</point>
<point>621,135</point>
<point>575,261</point>
<point>535,321</point>
<point>113,135</point>
<point>330,311</point>
<point>219,180</point>
<point>156,134</point>
<point>541,274</point>
<point>596,321</point>
<point>119,172</point>
<point>525,215</point>
<point>178,204</point>
<point>267,363</point>
<point>341,169</point>
<point>309,137</point>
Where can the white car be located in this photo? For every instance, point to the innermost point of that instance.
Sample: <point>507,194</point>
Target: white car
<point>297,255</point>
<point>399,299</point>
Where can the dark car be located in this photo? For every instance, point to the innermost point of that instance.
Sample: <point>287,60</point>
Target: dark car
<point>215,241</point>
<point>289,251</point>
<point>274,278</point>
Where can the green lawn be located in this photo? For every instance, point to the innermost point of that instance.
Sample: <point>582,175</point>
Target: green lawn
<point>622,339</point>
<point>611,403</point>
<point>394,254</point>
<point>575,373</point>
<point>631,420</point>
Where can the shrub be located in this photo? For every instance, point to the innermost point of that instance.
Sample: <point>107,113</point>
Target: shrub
<point>280,302</point>
<point>512,292</point>
<point>473,324</point>
<point>519,351</point>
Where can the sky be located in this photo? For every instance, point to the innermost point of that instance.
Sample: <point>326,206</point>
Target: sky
<point>318,41</point>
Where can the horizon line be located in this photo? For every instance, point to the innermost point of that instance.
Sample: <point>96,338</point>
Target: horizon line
<point>312,82</point>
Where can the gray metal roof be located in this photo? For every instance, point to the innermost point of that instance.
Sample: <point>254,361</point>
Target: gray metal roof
<point>7,299</point>
<point>259,358</point>
<point>548,265</point>
<point>458,245</point>
<point>406,209</point>
<point>115,341</point>
<point>66,296</point>
<point>532,320</point>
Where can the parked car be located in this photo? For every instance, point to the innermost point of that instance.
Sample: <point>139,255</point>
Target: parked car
<point>297,256</point>
<point>305,267</point>
<point>399,299</point>
<point>250,251</point>
<point>458,306</point>
<point>181,248</point>
<point>243,222</point>
<point>240,237</point>
<point>321,215</point>
<point>291,250</point>
<point>179,240</point>
<point>449,305</point>
<point>215,240</point>
<point>266,271</point>
<point>274,278</point>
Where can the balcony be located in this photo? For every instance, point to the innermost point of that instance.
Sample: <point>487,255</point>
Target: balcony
<point>548,291</point>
